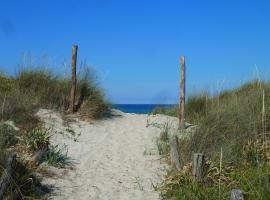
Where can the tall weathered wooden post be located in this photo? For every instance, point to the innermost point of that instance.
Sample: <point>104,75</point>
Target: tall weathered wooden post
<point>182,93</point>
<point>73,81</point>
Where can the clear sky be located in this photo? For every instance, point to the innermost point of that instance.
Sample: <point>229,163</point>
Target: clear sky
<point>134,45</point>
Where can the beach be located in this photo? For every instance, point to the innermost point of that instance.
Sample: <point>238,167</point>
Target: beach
<point>114,158</point>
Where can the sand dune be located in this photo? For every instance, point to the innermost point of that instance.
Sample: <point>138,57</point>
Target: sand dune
<point>114,158</point>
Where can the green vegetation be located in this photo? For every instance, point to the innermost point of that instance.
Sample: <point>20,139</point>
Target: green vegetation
<point>236,122</point>
<point>32,89</point>
<point>21,96</point>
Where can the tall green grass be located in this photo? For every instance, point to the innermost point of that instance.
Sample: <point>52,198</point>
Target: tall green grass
<point>31,89</point>
<point>238,122</point>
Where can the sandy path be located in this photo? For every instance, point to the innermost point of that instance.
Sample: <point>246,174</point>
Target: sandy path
<point>115,158</point>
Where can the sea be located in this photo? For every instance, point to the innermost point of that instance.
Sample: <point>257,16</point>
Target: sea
<point>140,108</point>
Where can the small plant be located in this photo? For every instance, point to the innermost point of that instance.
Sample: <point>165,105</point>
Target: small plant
<point>58,157</point>
<point>36,138</point>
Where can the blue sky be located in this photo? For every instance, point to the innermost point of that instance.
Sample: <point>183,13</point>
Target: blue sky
<point>135,45</point>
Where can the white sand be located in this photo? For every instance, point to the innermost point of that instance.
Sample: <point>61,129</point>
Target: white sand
<point>115,158</point>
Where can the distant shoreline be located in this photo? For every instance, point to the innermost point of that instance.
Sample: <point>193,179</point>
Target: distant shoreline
<point>140,108</point>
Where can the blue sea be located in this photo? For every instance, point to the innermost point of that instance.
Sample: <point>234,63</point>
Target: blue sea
<point>140,108</point>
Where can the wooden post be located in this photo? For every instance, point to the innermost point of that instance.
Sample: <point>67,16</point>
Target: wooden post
<point>182,94</point>
<point>237,194</point>
<point>198,167</point>
<point>73,81</point>
<point>175,157</point>
<point>7,174</point>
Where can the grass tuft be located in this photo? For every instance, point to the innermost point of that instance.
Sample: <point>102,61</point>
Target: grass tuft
<point>58,157</point>
<point>36,138</point>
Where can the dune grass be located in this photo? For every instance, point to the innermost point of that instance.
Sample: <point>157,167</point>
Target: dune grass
<point>20,98</point>
<point>238,122</point>
<point>37,88</point>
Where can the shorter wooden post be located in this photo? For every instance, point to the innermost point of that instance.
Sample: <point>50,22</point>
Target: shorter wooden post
<point>237,194</point>
<point>73,81</point>
<point>175,157</point>
<point>7,174</point>
<point>198,167</point>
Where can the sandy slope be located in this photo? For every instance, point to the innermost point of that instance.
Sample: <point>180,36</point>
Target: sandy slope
<point>114,158</point>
